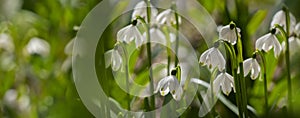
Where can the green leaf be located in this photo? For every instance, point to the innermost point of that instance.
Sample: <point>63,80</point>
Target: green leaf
<point>255,21</point>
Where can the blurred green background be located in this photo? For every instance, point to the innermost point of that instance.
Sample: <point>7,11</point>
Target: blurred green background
<point>41,85</point>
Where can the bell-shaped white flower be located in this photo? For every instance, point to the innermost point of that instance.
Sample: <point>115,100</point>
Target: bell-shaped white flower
<point>113,58</point>
<point>294,44</point>
<point>167,17</point>
<point>269,41</point>
<point>251,65</point>
<point>225,81</point>
<point>228,33</point>
<point>213,58</point>
<point>156,35</point>
<point>6,42</point>
<point>279,18</point>
<point>130,33</point>
<point>170,84</point>
<point>140,9</point>
<point>38,46</point>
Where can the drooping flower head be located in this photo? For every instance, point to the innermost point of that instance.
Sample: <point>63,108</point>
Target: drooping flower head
<point>170,84</point>
<point>140,10</point>
<point>167,17</point>
<point>228,33</point>
<point>252,65</point>
<point>280,18</point>
<point>37,46</point>
<point>269,41</point>
<point>294,44</point>
<point>6,42</point>
<point>225,81</point>
<point>213,58</point>
<point>130,33</point>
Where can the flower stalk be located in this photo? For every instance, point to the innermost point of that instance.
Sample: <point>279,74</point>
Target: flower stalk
<point>174,7</point>
<point>286,34</point>
<point>287,59</point>
<point>149,53</point>
<point>261,53</point>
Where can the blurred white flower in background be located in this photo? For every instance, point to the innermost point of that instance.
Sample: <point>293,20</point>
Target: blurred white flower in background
<point>113,59</point>
<point>213,58</point>
<point>228,33</point>
<point>167,17</point>
<point>38,46</point>
<point>6,43</point>
<point>279,18</point>
<point>130,33</point>
<point>140,9</point>
<point>225,81</point>
<point>170,84</point>
<point>269,41</point>
<point>156,35</point>
<point>297,29</point>
<point>251,65</point>
<point>67,64</point>
<point>294,44</point>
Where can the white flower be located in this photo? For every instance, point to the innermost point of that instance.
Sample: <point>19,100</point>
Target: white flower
<point>156,35</point>
<point>167,17</point>
<point>279,18</point>
<point>294,44</point>
<point>113,58</point>
<point>6,42</point>
<point>297,29</point>
<point>38,46</point>
<point>251,64</point>
<point>170,84</point>
<point>140,9</point>
<point>228,33</point>
<point>225,81</point>
<point>130,33</point>
<point>267,42</point>
<point>213,58</point>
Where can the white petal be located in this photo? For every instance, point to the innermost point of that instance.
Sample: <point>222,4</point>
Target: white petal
<point>255,69</point>
<point>116,60</point>
<point>227,83</point>
<point>163,86</point>
<point>157,35</point>
<point>217,59</point>
<point>107,57</point>
<point>247,66</point>
<point>277,47</point>
<point>178,94</point>
<point>260,41</point>
<point>173,84</point>
<point>204,56</point>
<point>228,34</point>
<point>297,29</point>
<point>217,83</point>
<point>122,33</point>
<point>38,46</point>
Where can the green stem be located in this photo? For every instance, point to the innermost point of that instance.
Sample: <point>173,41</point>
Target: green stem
<point>174,7</point>
<point>241,75</point>
<point>265,81</point>
<point>232,55</point>
<point>152,100</point>
<point>287,59</point>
